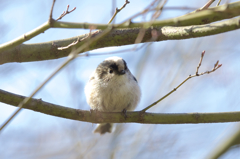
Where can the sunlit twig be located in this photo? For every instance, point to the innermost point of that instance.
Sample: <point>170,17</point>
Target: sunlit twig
<point>65,12</point>
<point>216,66</point>
<point>118,10</point>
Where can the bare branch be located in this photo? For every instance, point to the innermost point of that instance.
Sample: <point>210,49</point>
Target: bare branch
<point>121,37</point>
<point>78,40</point>
<point>203,17</point>
<point>118,10</point>
<point>158,10</point>
<point>72,44</point>
<point>50,16</point>
<point>65,12</point>
<point>155,15</point>
<point>216,66</point>
<point>38,105</point>
<point>200,62</point>
<point>206,6</point>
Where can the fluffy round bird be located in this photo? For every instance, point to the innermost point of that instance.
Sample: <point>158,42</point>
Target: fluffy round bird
<point>112,88</point>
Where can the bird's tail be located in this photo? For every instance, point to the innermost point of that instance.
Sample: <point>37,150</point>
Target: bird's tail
<point>103,128</point>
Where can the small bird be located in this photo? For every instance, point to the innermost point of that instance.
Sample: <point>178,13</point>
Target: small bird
<point>112,88</point>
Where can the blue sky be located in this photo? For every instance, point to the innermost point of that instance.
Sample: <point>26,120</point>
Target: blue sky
<point>167,63</point>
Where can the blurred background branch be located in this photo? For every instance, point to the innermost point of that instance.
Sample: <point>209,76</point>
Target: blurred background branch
<point>222,146</point>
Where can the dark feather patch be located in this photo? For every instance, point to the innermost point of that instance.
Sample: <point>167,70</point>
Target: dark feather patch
<point>135,79</point>
<point>103,68</point>
<point>125,65</point>
<point>114,66</point>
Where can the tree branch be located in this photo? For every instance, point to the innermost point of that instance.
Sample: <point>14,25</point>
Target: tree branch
<point>49,50</point>
<point>34,32</point>
<point>198,18</point>
<point>24,37</point>
<point>132,117</point>
<point>202,17</point>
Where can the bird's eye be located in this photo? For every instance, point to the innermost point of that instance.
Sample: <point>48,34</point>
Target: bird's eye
<point>111,71</point>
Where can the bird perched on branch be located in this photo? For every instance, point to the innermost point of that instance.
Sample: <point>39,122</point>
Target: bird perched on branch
<point>112,88</point>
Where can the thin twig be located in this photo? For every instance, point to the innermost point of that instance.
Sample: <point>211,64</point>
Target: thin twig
<point>50,19</point>
<point>154,17</point>
<point>140,36</point>
<point>186,20</point>
<point>72,44</point>
<point>65,12</point>
<point>200,62</point>
<point>158,10</point>
<point>218,2</point>
<point>206,6</point>
<point>138,39</point>
<point>118,10</point>
<point>216,66</point>
<point>216,14</point>
<point>176,8</point>
<point>78,40</point>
